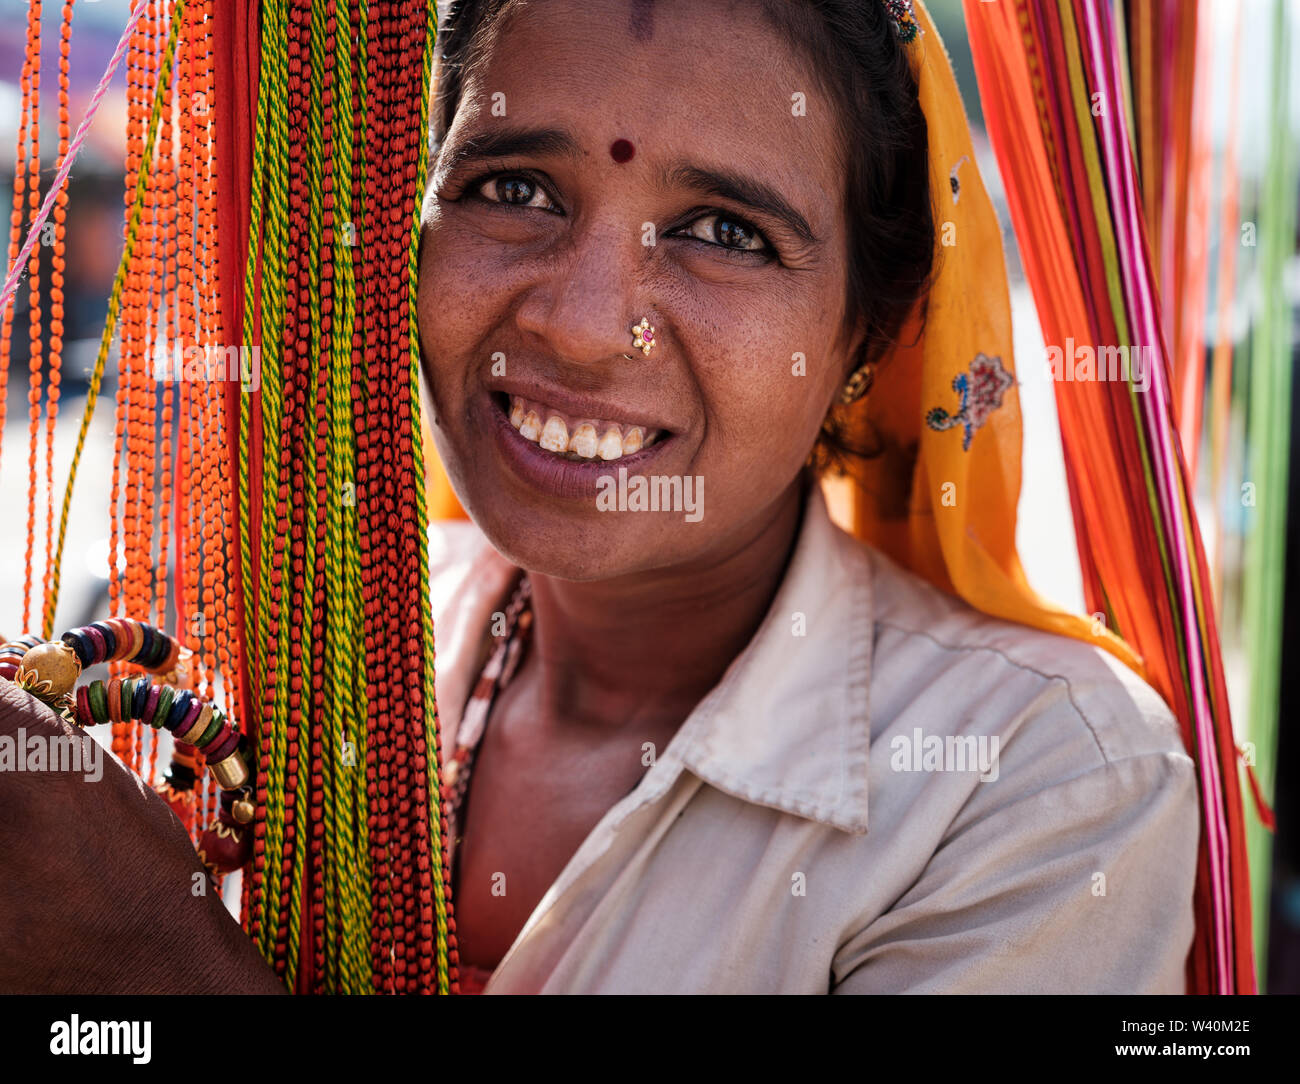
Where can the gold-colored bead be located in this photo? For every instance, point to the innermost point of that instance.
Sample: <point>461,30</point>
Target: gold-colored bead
<point>243,811</point>
<point>49,670</point>
<point>231,772</point>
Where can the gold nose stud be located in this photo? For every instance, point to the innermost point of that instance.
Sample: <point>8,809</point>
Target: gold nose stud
<point>643,336</point>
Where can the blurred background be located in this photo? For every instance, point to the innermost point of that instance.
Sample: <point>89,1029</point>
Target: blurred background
<point>95,211</point>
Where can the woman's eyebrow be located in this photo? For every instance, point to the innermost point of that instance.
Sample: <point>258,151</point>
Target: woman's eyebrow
<point>739,188</point>
<point>506,142</point>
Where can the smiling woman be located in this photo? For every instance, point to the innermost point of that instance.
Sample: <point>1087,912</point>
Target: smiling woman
<point>740,684</point>
<point>683,732</point>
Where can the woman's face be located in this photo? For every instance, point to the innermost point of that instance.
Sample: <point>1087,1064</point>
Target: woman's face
<point>725,229</point>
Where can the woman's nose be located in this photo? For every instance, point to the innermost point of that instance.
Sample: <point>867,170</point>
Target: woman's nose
<point>583,307</point>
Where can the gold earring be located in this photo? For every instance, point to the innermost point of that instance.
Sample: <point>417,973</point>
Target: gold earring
<point>643,336</point>
<point>859,383</point>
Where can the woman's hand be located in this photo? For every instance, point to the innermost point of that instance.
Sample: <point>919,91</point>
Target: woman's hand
<point>101,890</point>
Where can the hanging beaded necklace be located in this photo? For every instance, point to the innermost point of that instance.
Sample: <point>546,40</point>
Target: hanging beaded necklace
<point>499,669</point>
<point>272,518</point>
<point>501,666</point>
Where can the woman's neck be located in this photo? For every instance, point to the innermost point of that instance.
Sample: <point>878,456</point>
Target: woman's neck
<point>643,650</point>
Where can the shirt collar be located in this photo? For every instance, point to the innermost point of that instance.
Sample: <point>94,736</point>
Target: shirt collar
<point>787,726</point>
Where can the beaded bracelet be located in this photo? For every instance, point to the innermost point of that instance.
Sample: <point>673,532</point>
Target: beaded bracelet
<point>188,718</point>
<point>49,670</point>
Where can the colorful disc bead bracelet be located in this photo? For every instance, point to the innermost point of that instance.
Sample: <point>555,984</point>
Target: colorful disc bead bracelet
<point>188,718</point>
<point>49,671</point>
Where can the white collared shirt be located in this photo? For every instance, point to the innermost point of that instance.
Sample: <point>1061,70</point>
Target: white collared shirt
<point>888,791</point>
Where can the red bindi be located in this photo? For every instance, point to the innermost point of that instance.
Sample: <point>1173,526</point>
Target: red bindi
<point>621,150</point>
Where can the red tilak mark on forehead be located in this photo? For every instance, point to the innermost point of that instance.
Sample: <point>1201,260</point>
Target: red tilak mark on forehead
<point>621,150</point>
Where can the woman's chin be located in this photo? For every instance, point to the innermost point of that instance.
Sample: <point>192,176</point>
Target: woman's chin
<point>565,548</point>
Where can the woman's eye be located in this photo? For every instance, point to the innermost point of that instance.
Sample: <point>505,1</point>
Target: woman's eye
<point>727,232</point>
<point>516,190</point>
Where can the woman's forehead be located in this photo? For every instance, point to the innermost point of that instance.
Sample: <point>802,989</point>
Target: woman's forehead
<point>707,84</point>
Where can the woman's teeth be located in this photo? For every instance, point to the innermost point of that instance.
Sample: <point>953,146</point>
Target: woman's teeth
<point>577,438</point>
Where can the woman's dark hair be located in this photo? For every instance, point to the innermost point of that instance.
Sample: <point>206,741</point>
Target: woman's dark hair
<point>854,52</point>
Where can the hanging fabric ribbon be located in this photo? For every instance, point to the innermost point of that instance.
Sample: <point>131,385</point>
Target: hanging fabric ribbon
<point>1053,81</point>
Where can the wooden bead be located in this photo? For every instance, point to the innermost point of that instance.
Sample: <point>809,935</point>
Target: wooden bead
<point>200,725</point>
<point>173,655</point>
<point>109,635</point>
<point>49,670</point>
<point>144,690</point>
<point>97,641</point>
<point>123,635</point>
<point>148,645</point>
<point>81,645</point>
<point>196,706</point>
<point>180,709</point>
<point>215,723</point>
<point>137,639</point>
<point>163,707</point>
<point>97,699</point>
<point>225,743</point>
<point>151,704</point>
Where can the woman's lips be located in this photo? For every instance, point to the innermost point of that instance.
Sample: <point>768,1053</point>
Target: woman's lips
<point>569,475</point>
